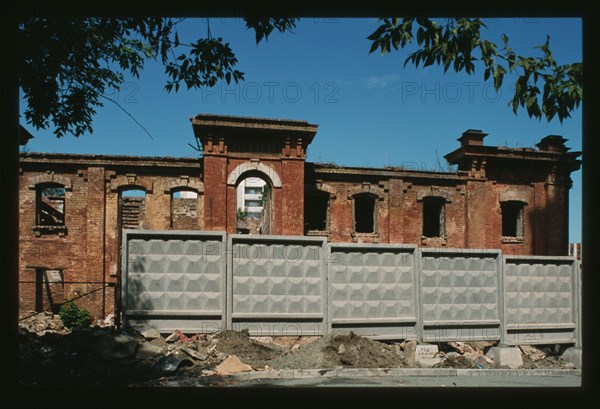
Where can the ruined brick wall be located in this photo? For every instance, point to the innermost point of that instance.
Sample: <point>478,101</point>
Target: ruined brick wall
<point>291,209</point>
<point>215,192</point>
<point>399,210</point>
<point>220,201</point>
<point>79,261</point>
<point>65,249</point>
<point>472,208</point>
<point>184,214</point>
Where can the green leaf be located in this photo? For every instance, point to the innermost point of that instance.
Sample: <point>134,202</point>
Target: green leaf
<point>374,46</point>
<point>377,33</point>
<point>498,77</point>
<point>259,35</point>
<point>515,104</point>
<point>447,64</point>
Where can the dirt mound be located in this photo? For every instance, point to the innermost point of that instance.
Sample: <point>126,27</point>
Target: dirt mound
<point>339,350</point>
<point>249,351</point>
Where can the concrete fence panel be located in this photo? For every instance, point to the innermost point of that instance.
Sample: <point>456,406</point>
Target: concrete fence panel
<point>461,295</point>
<point>174,280</point>
<point>199,282</point>
<point>277,285</point>
<point>542,300</point>
<point>373,290</point>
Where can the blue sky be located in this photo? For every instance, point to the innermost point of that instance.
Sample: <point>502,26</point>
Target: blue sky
<point>370,110</point>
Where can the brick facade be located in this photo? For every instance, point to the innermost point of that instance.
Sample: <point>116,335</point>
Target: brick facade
<point>78,260</point>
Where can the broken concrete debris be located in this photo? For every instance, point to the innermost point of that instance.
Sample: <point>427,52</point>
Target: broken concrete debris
<point>194,354</point>
<point>148,332</point>
<point>44,323</point>
<point>533,353</point>
<point>232,365</point>
<point>506,357</point>
<point>426,356</point>
<point>573,356</point>
<point>461,347</point>
<point>409,352</point>
<point>173,337</point>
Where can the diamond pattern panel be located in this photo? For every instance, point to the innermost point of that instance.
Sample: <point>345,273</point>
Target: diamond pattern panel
<point>174,275</point>
<point>371,285</point>
<point>277,279</point>
<point>538,293</point>
<point>459,288</point>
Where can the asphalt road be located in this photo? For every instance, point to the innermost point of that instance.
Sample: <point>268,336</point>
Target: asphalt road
<point>469,378</point>
<point>421,381</point>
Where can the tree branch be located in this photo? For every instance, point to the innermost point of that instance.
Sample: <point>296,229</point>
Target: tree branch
<point>128,114</point>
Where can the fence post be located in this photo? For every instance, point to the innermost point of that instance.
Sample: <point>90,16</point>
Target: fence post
<point>228,288</point>
<point>501,298</point>
<point>326,286</point>
<point>419,287</point>
<point>577,297</point>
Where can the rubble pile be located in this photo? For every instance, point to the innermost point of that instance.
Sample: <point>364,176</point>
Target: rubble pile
<point>466,355</point>
<point>543,356</point>
<point>51,354</point>
<point>43,323</point>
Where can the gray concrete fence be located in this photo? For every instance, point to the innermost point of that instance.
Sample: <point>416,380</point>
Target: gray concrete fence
<point>201,282</point>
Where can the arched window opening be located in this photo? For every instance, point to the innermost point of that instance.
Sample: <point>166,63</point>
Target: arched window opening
<point>132,208</point>
<point>254,206</point>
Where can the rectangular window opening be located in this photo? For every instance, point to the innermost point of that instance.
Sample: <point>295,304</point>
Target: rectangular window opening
<point>315,212</point>
<point>253,190</point>
<point>49,290</point>
<point>184,210</point>
<point>50,206</point>
<point>512,219</point>
<point>433,218</point>
<point>253,203</point>
<point>364,214</point>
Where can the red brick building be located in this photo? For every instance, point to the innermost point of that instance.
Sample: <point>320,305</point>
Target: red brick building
<point>74,207</point>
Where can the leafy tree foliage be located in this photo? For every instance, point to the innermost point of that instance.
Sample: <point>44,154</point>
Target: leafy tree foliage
<point>542,86</point>
<point>67,64</point>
